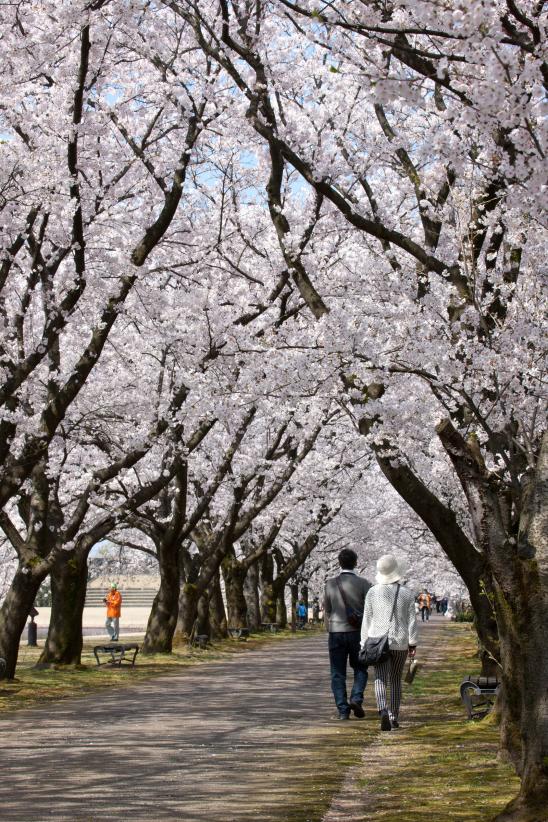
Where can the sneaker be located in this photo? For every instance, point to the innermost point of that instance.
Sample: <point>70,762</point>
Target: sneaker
<point>357,710</point>
<point>343,716</point>
<point>385,721</point>
<point>395,723</point>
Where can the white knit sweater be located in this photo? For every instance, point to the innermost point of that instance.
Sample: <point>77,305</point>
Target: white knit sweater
<point>402,631</point>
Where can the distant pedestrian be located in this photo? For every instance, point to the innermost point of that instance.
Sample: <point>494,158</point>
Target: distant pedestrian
<point>424,605</point>
<point>444,605</point>
<point>390,609</point>
<point>343,607</point>
<point>113,601</point>
<point>302,614</point>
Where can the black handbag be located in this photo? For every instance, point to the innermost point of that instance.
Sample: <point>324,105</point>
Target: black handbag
<point>353,617</point>
<point>377,649</point>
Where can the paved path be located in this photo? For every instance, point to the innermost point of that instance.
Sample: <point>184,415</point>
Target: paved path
<point>245,739</point>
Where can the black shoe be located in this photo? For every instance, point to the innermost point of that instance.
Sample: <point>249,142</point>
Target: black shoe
<point>343,716</point>
<point>357,709</point>
<point>386,725</point>
<point>395,723</point>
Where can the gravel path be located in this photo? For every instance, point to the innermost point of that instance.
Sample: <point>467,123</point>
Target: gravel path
<point>250,738</point>
<point>246,739</point>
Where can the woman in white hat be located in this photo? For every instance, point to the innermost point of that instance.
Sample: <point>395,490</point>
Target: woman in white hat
<point>390,609</point>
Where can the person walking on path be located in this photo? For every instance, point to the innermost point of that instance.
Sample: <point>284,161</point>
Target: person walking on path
<point>302,614</point>
<point>343,607</point>
<point>113,601</point>
<point>424,605</point>
<point>390,609</point>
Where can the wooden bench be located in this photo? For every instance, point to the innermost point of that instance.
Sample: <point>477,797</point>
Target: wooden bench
<point>200,641</point>
<point>478,694</point>
<point>117,653</point>
<point>270,626</point>
<point>239,633</point>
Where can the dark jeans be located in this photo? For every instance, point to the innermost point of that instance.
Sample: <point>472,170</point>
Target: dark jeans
<point>343,649</point>
<point>425,613</point>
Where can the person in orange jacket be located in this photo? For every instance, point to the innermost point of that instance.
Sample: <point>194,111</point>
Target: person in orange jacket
<point>113,601</point>
<point>424,605</point>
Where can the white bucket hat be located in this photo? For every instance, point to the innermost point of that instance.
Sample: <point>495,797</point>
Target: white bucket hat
<point>388,570</point>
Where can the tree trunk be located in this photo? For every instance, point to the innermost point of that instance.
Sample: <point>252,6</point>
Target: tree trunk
<point>294,588</point>
<point>234,576</point>
<point>521,603</point>
<point>304,594</point>
<point>217,614</point>
<point>251,593</point>
<point>268,595</point>
<point>189,567</point>
<point>163,615</point>
<point>522,611</point>
<point>194,600</point>
<point>69,577</point>
<point>201,625</point>
<point>188,610</point>
<point>520,573</point>
<point>281,609</point>
<point>14,612</point>
<point>268,603</point>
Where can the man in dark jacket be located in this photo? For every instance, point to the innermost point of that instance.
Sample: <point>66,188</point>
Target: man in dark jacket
<point>343,609</point>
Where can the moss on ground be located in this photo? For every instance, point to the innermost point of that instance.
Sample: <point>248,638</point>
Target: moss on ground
<point>320,773</point>
<point>441,765</point>
<point>33,686</point>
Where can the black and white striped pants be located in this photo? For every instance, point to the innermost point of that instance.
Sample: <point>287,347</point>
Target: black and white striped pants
<point>390,673</point>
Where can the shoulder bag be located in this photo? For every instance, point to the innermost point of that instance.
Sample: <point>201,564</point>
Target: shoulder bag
<point>353,617</point>
<point>377,649</point>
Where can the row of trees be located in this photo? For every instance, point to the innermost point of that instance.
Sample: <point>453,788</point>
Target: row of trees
<point>242,237</point>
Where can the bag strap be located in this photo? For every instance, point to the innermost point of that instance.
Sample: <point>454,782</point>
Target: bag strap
<point>394,605</point>
<point>341,589</point>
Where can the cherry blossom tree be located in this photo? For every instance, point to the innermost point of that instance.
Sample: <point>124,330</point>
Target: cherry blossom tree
<point>331,202</point>
<point>415,130</point>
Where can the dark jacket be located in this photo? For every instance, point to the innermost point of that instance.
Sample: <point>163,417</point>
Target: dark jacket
<point>355,589</point>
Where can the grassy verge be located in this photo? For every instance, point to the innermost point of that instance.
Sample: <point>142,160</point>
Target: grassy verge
<point>441,765</point>
<point>32,687</point>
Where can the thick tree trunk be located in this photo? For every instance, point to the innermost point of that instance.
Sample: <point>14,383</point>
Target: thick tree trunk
<point>234,577</point>
<point>522,612</point>
<point>521,603</point>
<point>217,614</point>
<point>163,615</point>
<point>268,603</point>
<point>14,612</point>
<point>251,593</point>
<point>69,577</point>
<point>520,583</point>
<point>281,609</point>
<point>188,610</point>
<point>202,625</point>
